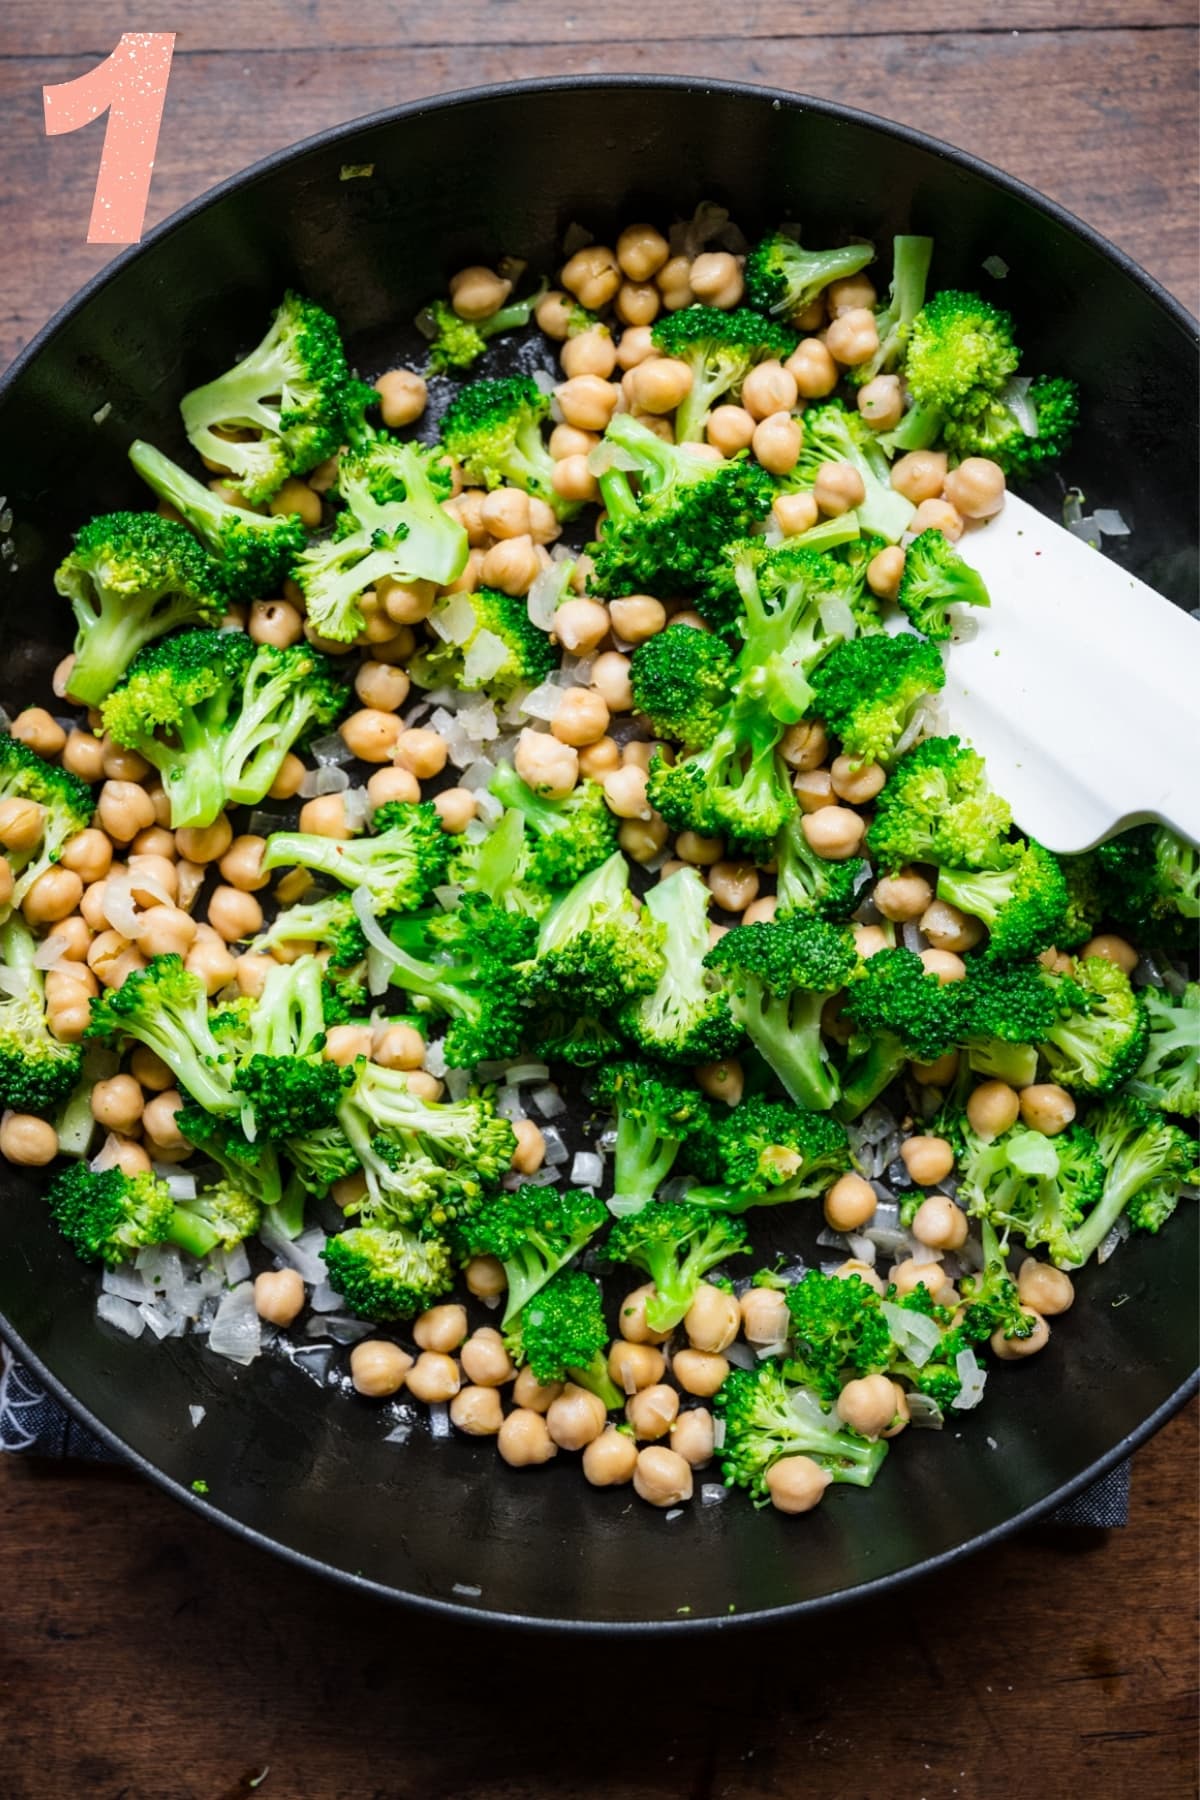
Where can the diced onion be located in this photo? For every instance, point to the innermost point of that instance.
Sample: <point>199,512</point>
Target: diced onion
<point>118,907</point>
<point>236,1331</point>
<point>1110,523</point>
<point>925,1413</point>
<point>712,1493</point>
<point>508,1104</point>
<point>439,1420</point>
<point>122,1314</point>
<point>485,658</point>
<point>181,1187</point>
<point>196,1415</point>
<point>454,620</point>
<point>556,1151</point>
<point>543,702</point>
<point>973,1380</point>
<point>587,1170</point>
<point>549,1101</point>
<point>918,1336</point>
<point>332,749</point>
<point>836,616</point>
<point>546,594</point>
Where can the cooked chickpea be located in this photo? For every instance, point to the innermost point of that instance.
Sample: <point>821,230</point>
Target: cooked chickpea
<point>69,1016</point>
<point>122,764</point>
<point>674,283</point>
<point>631,1319</point>
<point>885,571</point>
<point>504,513</point>
<point>530,1152</point>
<point>396,1046</point>
<point>402,396</point>
<point>852,337</point>
<point>83,755</point>
<point>633,1367</point>
<point>599,758</point>
<point>297,497</point>
<point>53,896</point>
<point>921,475</point>
<point>158,1120</point>
<point>765,1317</point>
<point>769,388</point>
<point>777,443</point>
<point>730,429</point>
<point>856,782</point>
<point>117,1103</point>
<point>716,279</point>
<point>512,565</point>
<point>123,810</point>
<point>275,622</point>
<point>1114,950</point>
<point>794,513</point>
<point>485,1277</point>
<point>867,1405</point>
<point>287,783</point>
<point>278,1295</point>
<point>27,1141</point>
<point>625,792</point>
<point>524,1441</point>
<point>434,1377</point>
<point>838,489</point>
<point>692,1436</point>
<point>344,1044</point>
<point>993,1107</point>
<point>659,384</point>
<point>130,1157</point>
<point>944,964</point>
<point>234,914</point>
<point>441,1328</point>
<point>697,849</point>
<point>529,1391</point>
<point>407,602</point>
<point>699,1372</point>
<point>610,677</point>
<point>813,369</point>
<point>976,487</point>
<point>422,751</point>
<point>484,1359</point>
<point>938,1073</point>
<point>155,841</point>
<point>587,401</point>
<point>638,303</point>
<point>477,292</point>
<point>938,515</point>
<point>392,784</point>
<point>1045,1289</point>
<point>370,734</point>
<point>1015,1349</point>
<point>733,885</point>
<point>713,1320</point>
<point>582,717</point>
<point>805,746</point>
<point>908,1275</point>
<point>761,912</point>
<point>555,312</point>
<point>151,878</point>
<point>573,480</point>
<point>610,1459</point>
<point>38,729</point>
<point>593,275</point>
<point>579,625</point>
<point>7,882</point>
<point>1047,1108</point>
<point>251,974</point>
<point>796,1484</point>
<point>722,1080</point>
<point>881,402</point>
<point>377,1367</point>
<point>834,832</point>
<point>477,1412</point>
<point>575,1418</point>
<point>72,935</point>
<point>902,896</point>
<point>949,929</point>
<point>641,251</point>
<point>22,823</point>
<point>939,1223</point>
<point>566,442</point>
<point>927,1159</point>
<point>636,346</point>
<point>211,960</point>
<point>545,765</point>
<point>209,843</point>
<point>662,1477</point>
<point>850,1203</point>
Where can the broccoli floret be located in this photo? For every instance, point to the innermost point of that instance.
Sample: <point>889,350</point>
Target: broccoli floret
<point>36,1070</point>
<point>831,434</point>
<point>253,1168</point>
<point>1146,1161</point>
<point>893,321</point>
<point>682,1018</point>
<point>65,807</point>
<point>901,1013</point>
<point>385,1274</point>
<point>166,1008</point>
<point>288,1087</point>
<point>108,1216</point>
<point>1169,1074</point>
<point>534,1232</point>
<point>654,1112</point>
<point>503,650</point>
<point>960,353</point>
<point>668,537</point>
<point>1150,882</point>
<point>561,1334</point>
<point>287,696</point>
<point>322,1157</point>
<point>808,883</point>
<point>675,1244</point>
<point>224,1208</point>
<point>1085,904</point>
<point>937,807</point>
<point>426,1162</point>
<point>1035,1187</point>
<point>569,837</point>
<point>399,866</point>
<point>255,550</point>
<point>765,1420</point>
<point>497,865</point>
<point>1008,1013</point>
<point>393,528</point>
<point>778,975</point>
<point>292,392</point>
<point>681,680</point>
<point>561,1034</point>
<point>737,785</point>
<point>869,689</point>
<point>784,279</point>
<point>838,1332</point>
<point>594,950</point>
<point>720,348</point>
<point>456,343</point>
<point>1024,905</point>
<point>1100,1037</point>
<point>328,924</point>
<point>1025,428</point>
<point>936,578</point>
<point>130,578</point>
<point>461,963</point>
<point>766,1153</point>
<point>991,1301</point>
<point>494,429</point>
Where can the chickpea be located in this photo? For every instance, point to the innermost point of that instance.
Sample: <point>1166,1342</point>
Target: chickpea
<point>117,1103</point>
<point>1015,1349</point>
<point>662,1477</point>
<point>477,292</point>
<point>210,960</point>
<point>881,402</point>
<point>566,441</point>
<point>579,625</point>
<point>938,1073</point>
<point>834,832</point>
<point>158,1120</point>
<point>730,429</point>
<point>582,717</point>
<point>610,1459</point>
<point>638,303</point>
<point>150,1070</point>
<point>769,388</point>
<point>659,384</point>
<point>794,513</point>
<point>40,730</point>
<point>402,397</point>
<point>209,843</point>
<point>993,1107</point>
<point>805,746</point>
<point>278,1295</point>
<point>854,781</point>
<point>588,402</point>
<point>777,443</point>
<point>949,929</point>
<point>902,896</point>
<point>940,1224</point>
<point>697,849</point>
<point>733,885</point>
<point>610,678</point>
<point>938,515</point>
<point>575,1418</point>
<point>122,764</point>
<point>633,1367</point>
<point>455,807</point>
<point>765,1317</point>
<point>370,734</point>
<point>631,1319</point>
<point>638,617</point>
<point>885,571</point>
<point>693,1437</point>
<point>1114,950</point>
<point>150,877</point>
<point>850,1203</point>
<point>378,1368</point>
<point>699,1372</point>
<point>434,1377</point>
<point>674,283</point>
<point>635,347</point>
<point>504,513</point>
<point>485,1361</point>
<point>927,1159</point>
<point>796,1484</point>
<point>83,755</point>
<point>976,487</point>
<point>22,823</point>
<point>554,313</point>
<point>599,758</point>
<point>424,1085</point>
<point>69,1016</point>
<point>902,1414</point>
<point>241,864</point>
<point>396,1046</point>
<point>28,1141</point>
<point>422,751</point>
<point>287,783</point>
<point>544,527</point>
<point>867,1405</point>
<point>908,1275</point>
<point>349,1189</point>
<point>593,276</point>
<point>838,489</point>
<point>73,936</point>
<point>529,1391</point>
<point>123,810</point>
<point>251,974</point>
<point>297,497</point>
<point>129,1157</point>
<point>813,369</point>
<point>545,765</point>
<point>761,912</point>
<point>641,251</point>
<point>392,784</point>
<point>477,1411</point>
<point>853,337</point>
<point>441,1328</point>
<point>530,1152</point>
<point>573,480</point>
<point>406,602</point>
<point>485,1277</point>
<point>512,565</point>
<point>275,622</point>
<point>344,1044</point>
<point>716,279</point>
<point>625,792</point>
<point>7,882</point>
<point>944,964</point>
<point>53,896</point>
<point>524,1441</point>
<point>166,931</point>
<point>921,475</point>
<point>722,1080</point>
<point>155,841</point>
<point>234,914</point>
<point>1047,1108</point>
<point>713,1320</point>
<point>1045,1289</point>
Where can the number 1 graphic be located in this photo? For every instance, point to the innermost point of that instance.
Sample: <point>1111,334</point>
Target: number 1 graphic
<point>131,86</point>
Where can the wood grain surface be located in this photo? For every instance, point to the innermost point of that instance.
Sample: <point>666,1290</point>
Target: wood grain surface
<point>144,1655</point>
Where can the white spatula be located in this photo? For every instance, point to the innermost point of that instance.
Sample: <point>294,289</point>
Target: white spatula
<point>1081,687</point>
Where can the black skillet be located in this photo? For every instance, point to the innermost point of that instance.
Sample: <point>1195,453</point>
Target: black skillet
<point>298,1466</point>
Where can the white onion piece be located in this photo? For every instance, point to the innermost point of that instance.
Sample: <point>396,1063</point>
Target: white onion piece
<point>626,1206</point>
<point>546,594</point>
<point>454,620</point>
<point>861,1248</point>
<point>126,1283</point>
<point>236,1331</point>
<point>508,1104</point>
<point>1015,395</point>
<point>1110,523</point>
<point>546,1176</point>
<point>1086,529</point>
<point>543,702</point>
<point>196,1415</point>
<point>973,1379</point>
<point>439,1420</point>
<point>302,1254</point>
<point>122,1314</point>
<point>912,1331</point>
<point>712,1493</point>
<point>51,951</point>
<point>107,1156</point>
<point>458,1083</point>
<point>556,1151</point>
<point>486,656</point>
<point>478,777</point>
<point>331,749</point>
<point>118,908</point>
<point>181,1187</point>
<point>479,721</point>
<point>718,1434</point>
<point>377,938</point>
<point>925,1413</point>
<point>587,1170</point>
<point>549,1101</point>
<point>14,983</point>
<point>996,267</point>
<point>740,1355</point>
<point>435,1059</point>
<point>836,616</point>
<point>162,1320</point>
<point>607,456</point>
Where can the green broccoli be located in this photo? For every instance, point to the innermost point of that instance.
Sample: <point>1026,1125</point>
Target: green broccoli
<point>936,578</point>
<point>534,1232</point>
<point>36,1070</point>
<point>765,1153</point>
<point>960,353</point>
<point>1024,905</point>
<point>569,837</point>
<point>292,392</point>
<point>562,1034</point>
<point>681,680</point>
<point>838,1332</point>
<point>561,1334</point>
<point>456,343</point>
<point>1008,1011</point>
<point>398,868</point>
<point>387,1274</point>
<point>991,1300</point>
<point>765,1420</point>
<point>1146,1162</point>
<point>1037,1188</point>
<point>937,807</point>
<point>65,807</point>
<point>130,578</point>
<point>778,975</point>
<point>720,348</point>
<point>594,950</point>
<point>681,1018</point>
<point>503,650</point>
<point>654,1112</point>
<point>806,883</point>
<point>911,257</point>
<point>1100,1037</point>
<point>869,689</point>
<point>736,786</point>
<point>322,1157</point>
<point>166,1008</point>
<point>108,1216</point>
<point>831,434</point>
<point>255,550</point>
<point>1150,882</point>
<point>900,1013</point>
<point>461,962</point>
<point>783,279</point>
<point>1085,902</point>
<point>252,1167</point>
<point>1169,1074</point>
<point>327,924</point>
<point>494,429</point>
<point>288,1087</point>
<point>1025,428</point>
<point>676,1245</point>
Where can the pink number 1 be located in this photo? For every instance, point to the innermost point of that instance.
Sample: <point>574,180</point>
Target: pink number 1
<point>130,85</point>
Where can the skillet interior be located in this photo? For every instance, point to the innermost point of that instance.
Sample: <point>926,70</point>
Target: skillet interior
<point>304,1469</point>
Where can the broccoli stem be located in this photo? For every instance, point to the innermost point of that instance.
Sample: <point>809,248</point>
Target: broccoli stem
<point>595,1378</point>
<point>192,1233</point>
<point>869,1074</point>
<point>110,637</point>
<point>1014,1063</point>
<point>288,1211</point>
<point>787,1035</point>
<point>181,490</point>
<point>643,1160</point>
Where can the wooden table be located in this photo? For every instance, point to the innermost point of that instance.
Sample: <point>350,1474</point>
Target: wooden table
<point>146,1656</point>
